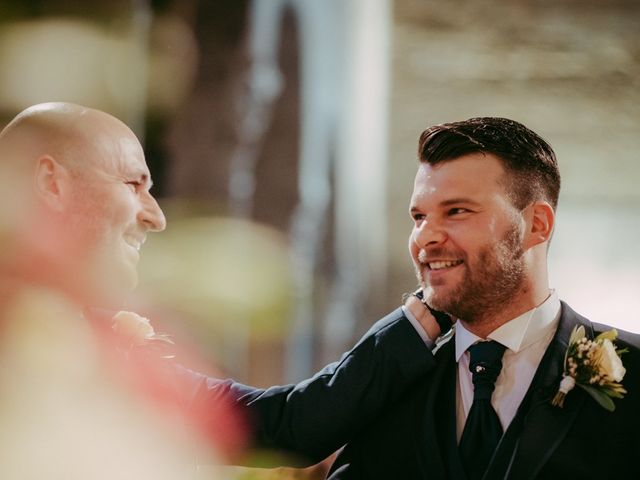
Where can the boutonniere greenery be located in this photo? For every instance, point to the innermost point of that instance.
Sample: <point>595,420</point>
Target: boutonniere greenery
<point>593,365</point>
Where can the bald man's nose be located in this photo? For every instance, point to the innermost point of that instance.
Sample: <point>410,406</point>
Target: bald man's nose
<point>151,214</point>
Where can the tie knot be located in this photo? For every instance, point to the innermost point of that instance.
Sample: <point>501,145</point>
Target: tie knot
<point>485,365</point>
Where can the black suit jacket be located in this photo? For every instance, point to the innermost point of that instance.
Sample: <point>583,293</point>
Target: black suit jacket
<point>317,416</point>
<point>415,438</point>
<point>391,403</point>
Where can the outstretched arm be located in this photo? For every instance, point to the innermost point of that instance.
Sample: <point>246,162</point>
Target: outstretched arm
<point>317,416</point>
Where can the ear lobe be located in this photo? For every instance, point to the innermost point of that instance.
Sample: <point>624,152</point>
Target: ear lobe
<point>50,182</point>
<point>542,222</point>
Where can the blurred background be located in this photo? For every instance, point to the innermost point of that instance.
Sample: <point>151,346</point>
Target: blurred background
<point>282,135</point>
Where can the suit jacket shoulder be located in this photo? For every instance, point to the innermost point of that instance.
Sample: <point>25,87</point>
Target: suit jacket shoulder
<point>626,339</point>
<point>581,439</point>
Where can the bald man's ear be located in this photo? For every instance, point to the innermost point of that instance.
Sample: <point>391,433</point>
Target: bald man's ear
<point>540,221</point>
<point>51,182</point>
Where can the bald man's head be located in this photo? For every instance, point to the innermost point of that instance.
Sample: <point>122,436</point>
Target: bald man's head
<point>81,177</point>
<point>65,131</point>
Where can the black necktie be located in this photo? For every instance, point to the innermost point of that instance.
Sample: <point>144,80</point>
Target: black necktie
<point>483,430</point>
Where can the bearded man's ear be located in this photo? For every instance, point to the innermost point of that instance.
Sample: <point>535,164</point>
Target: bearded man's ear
<point>540,222</point>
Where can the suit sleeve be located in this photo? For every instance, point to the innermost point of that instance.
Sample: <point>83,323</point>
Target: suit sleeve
<point>319,415</point>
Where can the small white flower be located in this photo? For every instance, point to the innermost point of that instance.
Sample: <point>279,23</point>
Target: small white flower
<point>610,364</point>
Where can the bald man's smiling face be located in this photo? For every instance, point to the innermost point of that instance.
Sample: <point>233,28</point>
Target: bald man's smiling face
<point>87,204</point>
<point>111,209</point>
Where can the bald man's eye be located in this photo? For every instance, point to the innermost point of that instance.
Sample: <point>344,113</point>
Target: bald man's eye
<point>134,184</point>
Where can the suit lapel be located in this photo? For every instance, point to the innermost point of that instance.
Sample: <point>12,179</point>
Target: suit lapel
<point>545,426</point>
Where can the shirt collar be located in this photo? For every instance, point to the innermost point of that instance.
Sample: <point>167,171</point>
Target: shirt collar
<point>518,333</point>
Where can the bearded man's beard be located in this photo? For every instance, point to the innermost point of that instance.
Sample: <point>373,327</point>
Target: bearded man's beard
<point>493,280</point>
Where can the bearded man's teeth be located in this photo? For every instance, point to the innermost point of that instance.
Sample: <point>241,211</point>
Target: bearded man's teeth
<point>447,264</point>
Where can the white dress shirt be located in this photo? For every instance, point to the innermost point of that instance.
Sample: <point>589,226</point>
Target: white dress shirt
<point>526,338</point>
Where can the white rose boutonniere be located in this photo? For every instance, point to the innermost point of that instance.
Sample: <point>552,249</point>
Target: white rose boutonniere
<point>137,330</point>
<point>593,365</point>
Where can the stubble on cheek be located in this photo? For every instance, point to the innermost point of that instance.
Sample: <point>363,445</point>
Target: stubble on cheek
<point>435,294</point>
<point>445,294</point>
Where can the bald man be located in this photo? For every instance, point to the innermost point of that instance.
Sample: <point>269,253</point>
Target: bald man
<point>86,207</point>
<point>75,209</point>
<point>85,211</point>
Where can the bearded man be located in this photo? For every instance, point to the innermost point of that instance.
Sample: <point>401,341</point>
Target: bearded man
<point>483,210</point>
